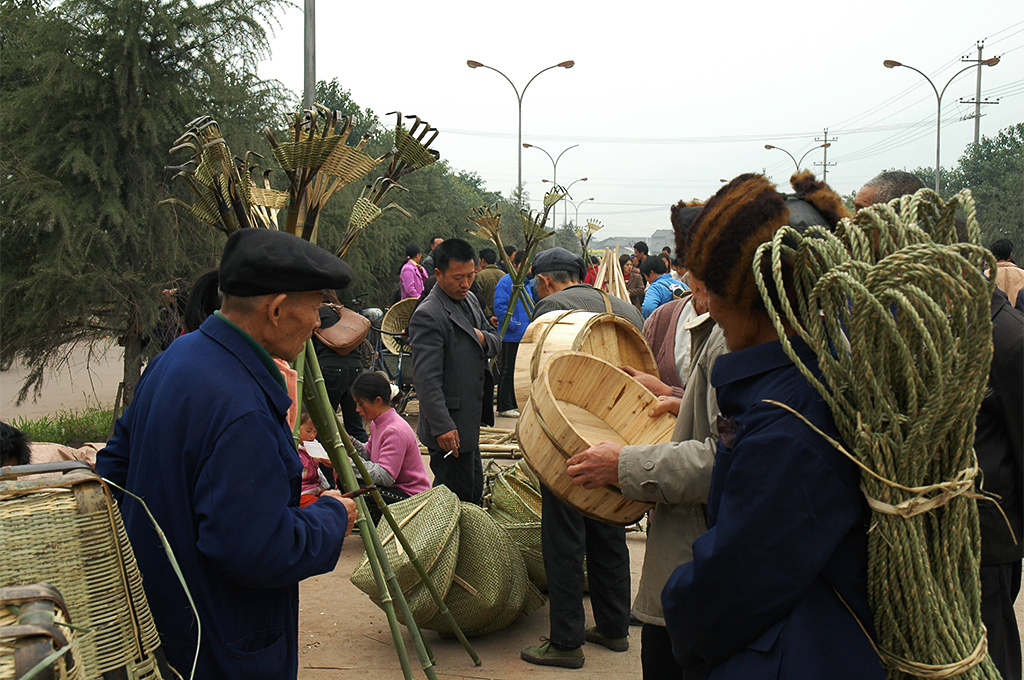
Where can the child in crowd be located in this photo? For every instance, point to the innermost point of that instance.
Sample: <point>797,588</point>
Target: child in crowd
<point>314,482</point>
<point>392,453</point>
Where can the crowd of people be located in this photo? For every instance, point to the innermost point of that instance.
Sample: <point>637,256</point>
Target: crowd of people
<point>755,562</point>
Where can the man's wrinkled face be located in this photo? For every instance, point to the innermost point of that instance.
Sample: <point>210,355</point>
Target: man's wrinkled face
<point>296,318</point>
<point>455,282</point>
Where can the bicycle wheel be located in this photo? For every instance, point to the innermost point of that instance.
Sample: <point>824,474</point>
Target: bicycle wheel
<point>365,350</point>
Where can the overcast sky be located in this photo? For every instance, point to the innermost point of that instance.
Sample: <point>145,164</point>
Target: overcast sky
<point>667,98</point>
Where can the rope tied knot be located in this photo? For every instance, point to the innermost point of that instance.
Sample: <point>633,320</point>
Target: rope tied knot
<point>923,501</point>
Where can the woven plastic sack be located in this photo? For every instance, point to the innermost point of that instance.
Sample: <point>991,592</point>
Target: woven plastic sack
<point>430,522</point>
<point>490,587</point>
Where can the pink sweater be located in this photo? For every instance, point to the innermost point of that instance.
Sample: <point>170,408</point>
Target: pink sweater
<point>393,446</point>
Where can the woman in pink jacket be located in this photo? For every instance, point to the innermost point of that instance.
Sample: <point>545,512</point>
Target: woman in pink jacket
<point>392,453</point>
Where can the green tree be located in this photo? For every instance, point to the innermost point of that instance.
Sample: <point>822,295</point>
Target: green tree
<point>994,172</point>
<point>94,93</point>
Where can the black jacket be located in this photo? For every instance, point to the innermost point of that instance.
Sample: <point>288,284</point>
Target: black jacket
<point>999,440</point>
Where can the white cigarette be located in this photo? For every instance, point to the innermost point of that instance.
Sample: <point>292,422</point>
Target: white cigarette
<point>449,453</point>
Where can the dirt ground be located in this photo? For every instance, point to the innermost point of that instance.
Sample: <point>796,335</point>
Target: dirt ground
<point>342,634</point>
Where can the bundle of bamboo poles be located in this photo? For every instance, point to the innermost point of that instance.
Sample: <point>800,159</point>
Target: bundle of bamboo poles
<point>495,442</point>
<point>609,275</point>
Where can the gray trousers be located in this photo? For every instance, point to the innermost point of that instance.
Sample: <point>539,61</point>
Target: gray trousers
<point>566,536</point>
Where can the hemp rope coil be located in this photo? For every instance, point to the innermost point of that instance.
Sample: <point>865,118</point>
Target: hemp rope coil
<point>898,314</point>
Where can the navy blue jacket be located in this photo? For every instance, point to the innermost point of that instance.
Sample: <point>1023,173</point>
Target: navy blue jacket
<point>206,444</point>
<point>788,531</point>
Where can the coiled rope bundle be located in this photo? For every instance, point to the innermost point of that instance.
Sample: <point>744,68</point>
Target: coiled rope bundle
<point>898,313</point>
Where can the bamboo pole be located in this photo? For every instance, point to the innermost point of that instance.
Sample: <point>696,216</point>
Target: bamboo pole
<point>413,557</point>
<point>315,397</point>
<point>339,434</point>
<point>300,364</point>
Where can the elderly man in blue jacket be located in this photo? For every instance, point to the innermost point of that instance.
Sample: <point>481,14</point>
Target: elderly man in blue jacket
<point>206,444</point>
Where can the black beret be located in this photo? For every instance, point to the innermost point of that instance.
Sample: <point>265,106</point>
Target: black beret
<point>266,261</point>
<point>558,259</point>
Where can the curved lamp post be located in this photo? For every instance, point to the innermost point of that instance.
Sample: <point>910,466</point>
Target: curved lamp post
<point>795,161</point>
<point>554,164</point>
<point>566,197</point>
<point>519,96</point>
<point>577,207</point>
<point>890,63</point>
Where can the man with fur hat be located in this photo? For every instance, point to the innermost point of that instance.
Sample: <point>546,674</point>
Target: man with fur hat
<point>206,442</point>
<point>566,535</point>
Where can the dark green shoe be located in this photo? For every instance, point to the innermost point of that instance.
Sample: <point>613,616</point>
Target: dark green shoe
<point>614,644</point>
<point>545,654</point>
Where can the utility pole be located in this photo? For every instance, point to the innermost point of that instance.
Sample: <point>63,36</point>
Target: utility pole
<point>826,143</point>
<point>978,101</point>
<point>309,54</point>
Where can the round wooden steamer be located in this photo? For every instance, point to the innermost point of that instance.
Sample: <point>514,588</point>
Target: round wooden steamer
<point>578,401</point>
<point>607,336</point>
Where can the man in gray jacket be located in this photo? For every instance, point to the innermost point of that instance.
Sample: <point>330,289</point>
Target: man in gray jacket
<point>567,535</point>
<point>451,342</point>
<point>676,476</point>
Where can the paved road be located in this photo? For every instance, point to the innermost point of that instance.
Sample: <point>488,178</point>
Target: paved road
<point>83,382</point>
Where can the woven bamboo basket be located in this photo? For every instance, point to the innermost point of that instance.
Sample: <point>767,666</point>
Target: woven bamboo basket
<point>578,401</point>
<point>396,320</point>
<point>33,624</point>
<point>491,586</point>
<point>610,337</point>
<point>430,522</point>
<point>94,567</point>
<point>516,507</point>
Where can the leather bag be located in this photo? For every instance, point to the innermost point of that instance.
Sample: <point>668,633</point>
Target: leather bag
<point>345,335</point>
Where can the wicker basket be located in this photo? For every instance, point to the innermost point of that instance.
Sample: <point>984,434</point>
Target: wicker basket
<point>94,568</point>
<point>430,521</point>
<point>579,401</point>
<point>516,507</point>
<point>396,320</point>
<point>34,624</point>
<point>610,337</point>
<point>491,586</point>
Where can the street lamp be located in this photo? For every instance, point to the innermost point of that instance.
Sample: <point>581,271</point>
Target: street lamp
<point>519,96</point>
<point>795,161</point>
<point>566,197</point>
<point>576,223</point>
<point>890,63</point>
<point>554,164</point>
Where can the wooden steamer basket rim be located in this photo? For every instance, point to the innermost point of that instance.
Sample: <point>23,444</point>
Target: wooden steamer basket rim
<point>605,504</point>
<point>539,341</point>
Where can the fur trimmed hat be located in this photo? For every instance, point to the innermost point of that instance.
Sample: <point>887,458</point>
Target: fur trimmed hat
<point>723,238</point>
<point>820,195</point>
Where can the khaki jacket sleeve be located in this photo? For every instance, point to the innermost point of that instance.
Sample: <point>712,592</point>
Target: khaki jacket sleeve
<point>676,471</point>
